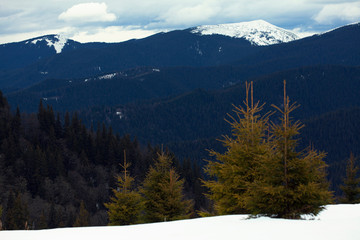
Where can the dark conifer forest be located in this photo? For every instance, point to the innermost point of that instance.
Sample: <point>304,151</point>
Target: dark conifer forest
<point>54,171</point>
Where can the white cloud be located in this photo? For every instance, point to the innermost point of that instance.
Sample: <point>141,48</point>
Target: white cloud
<point>88,12</point>
<point>19,17</point>
<point>111,34</point>
<point>98,34</point>
<point>349,12</point>
<point>302,33</point>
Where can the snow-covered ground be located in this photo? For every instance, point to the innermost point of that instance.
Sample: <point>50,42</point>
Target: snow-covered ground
<point>334,223</point>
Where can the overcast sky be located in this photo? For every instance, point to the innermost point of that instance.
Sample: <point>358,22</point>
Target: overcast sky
<point>119,20</point>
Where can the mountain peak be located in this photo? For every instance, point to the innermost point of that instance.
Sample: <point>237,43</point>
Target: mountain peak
<point>259,32</point>
<point>56,41</point>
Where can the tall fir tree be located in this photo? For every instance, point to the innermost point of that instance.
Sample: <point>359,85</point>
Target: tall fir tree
<point>290,183</point>
<point>351,188</point>
<point>163,193</point>
<point>234,170</point>
<point>125,206</point>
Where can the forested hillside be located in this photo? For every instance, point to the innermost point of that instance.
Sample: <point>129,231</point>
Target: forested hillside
<point>190,123</point>
<point>53,169</point>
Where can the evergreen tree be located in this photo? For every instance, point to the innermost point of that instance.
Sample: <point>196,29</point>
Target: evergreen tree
<point>289,183</point>
<point>126,204</point>
<point>67,126</point>
<point>1,212</point>
<point>262,173</point>
<point>235,169</point>
<point>82,219</point>
<point>58,126</point>
<point>351,187</point>
<point>16,214</point>
<point>16,124</point>
<point>163,193</point>
<point>43,221</point>
<point>4,117</point>
<point>53,219</point>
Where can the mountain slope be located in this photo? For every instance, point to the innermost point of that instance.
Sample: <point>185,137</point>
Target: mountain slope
<point>189,123</point>
<point>54,57</point>
<point>200,113</point>
<point>20,54</point>
<point>260,33</point>
<point>339,46</point>
<point>184,48</point>
<point>123,87</point>
<point>177,48</point>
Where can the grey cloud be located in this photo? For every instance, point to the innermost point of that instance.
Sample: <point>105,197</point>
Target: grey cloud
<point>18,16</point>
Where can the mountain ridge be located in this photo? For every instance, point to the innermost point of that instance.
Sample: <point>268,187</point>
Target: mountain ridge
<point>56,41</point>
<point>258,32</point>
<point>179,66</point>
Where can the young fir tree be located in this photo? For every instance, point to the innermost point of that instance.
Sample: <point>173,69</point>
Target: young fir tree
<point>351,187</point>
<point>163,193</point>
<point>234,170</point>
<point>290,183</point>
<point>82,219</point>
<point>126,204</point>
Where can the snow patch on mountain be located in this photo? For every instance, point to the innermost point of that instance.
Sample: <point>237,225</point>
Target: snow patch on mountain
<point>107,76</point>
<point>56,41</point>
<point>259,32</point>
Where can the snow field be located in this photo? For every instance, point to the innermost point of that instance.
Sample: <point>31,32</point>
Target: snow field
<point>334,223</point>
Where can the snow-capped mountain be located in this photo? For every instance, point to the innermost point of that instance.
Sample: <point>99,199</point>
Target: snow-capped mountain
<point>259,32</point>
<point>56,41</point>
<point>20,54</point>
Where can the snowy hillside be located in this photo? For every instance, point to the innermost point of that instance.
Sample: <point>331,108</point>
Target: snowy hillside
<point>258,32</point>
<point>336,222</point>
<point>56,41</point>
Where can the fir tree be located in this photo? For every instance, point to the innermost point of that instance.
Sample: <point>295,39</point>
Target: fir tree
<point>163,193</point>
<point>1,212</point>
<point>82,219</point>
<point>126,204</point>
<point>16,214</point>
<point>262,173</point>
<point>53,219</point>
<point>16,124</point>
<point>290,183</point>
<point>351,187</point>
<point>42,221</point>
<point>235,169</point>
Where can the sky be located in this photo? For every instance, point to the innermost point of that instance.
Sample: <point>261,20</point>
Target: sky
<point>120,20</point>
